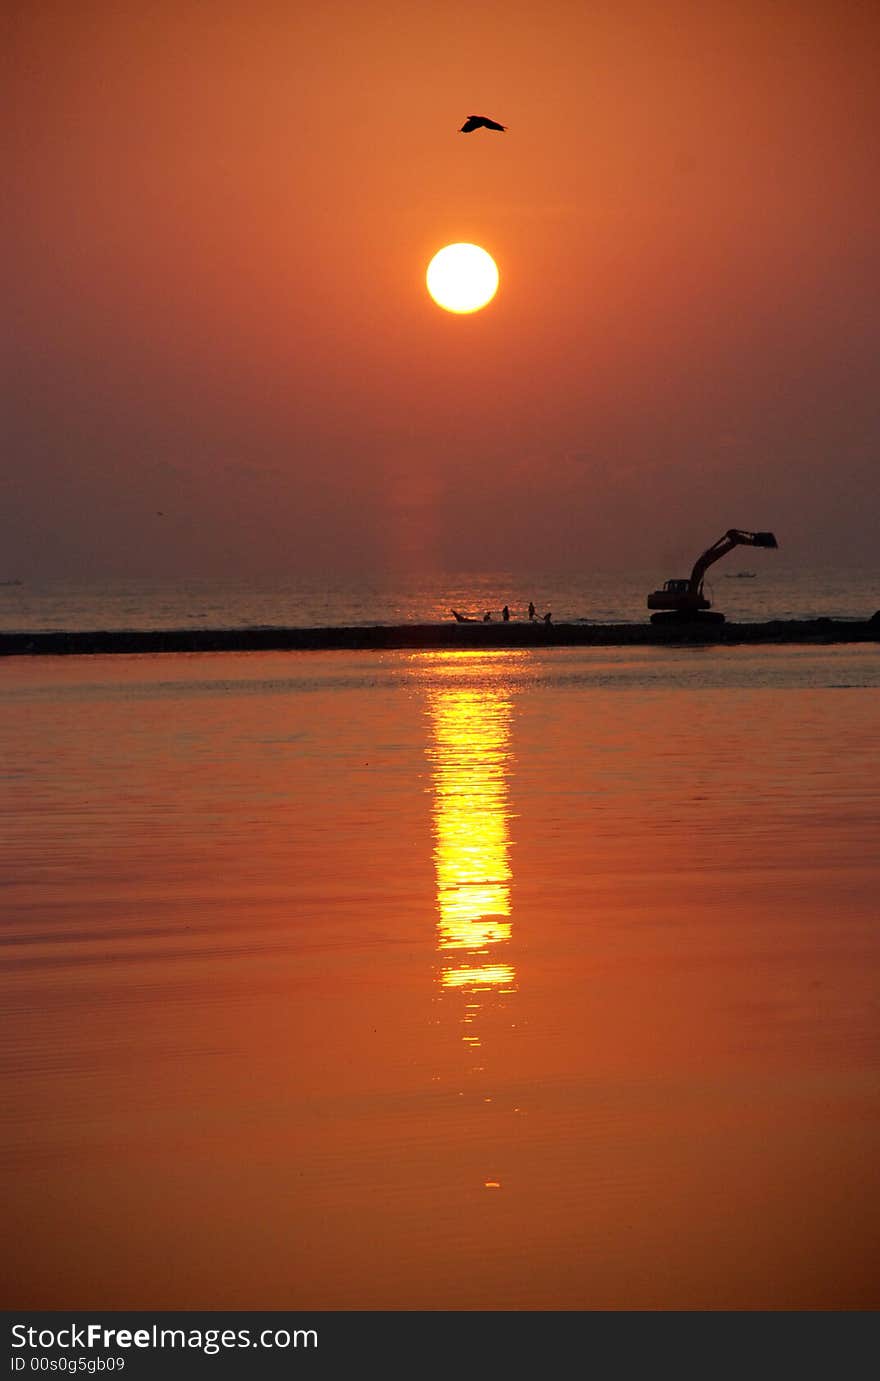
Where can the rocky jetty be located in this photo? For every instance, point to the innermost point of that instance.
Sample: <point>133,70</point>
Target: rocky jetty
<point>382,637</point>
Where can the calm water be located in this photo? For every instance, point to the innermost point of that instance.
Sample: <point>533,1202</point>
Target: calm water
<point>771,591</point>
<point>511,981</point>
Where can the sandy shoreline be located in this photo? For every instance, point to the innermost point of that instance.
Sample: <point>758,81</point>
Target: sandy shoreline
<point>427,636</point>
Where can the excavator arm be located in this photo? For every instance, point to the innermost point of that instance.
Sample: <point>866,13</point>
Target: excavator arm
<point>734,537</point>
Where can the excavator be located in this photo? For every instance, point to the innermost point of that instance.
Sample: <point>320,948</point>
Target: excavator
<point>684,600</point>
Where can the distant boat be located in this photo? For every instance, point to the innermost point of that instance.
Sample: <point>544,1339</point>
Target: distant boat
<point>739,575</point>
<point>11,582</point>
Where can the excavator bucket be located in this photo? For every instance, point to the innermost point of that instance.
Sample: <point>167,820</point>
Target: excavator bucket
<point>765,539</point>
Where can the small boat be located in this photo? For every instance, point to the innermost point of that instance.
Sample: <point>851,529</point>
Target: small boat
<point>739,575</point>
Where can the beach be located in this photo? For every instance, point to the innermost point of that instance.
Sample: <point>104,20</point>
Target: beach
<point>489,979</point>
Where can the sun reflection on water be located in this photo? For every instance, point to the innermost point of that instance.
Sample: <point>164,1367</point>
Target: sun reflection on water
<point>470,755</point>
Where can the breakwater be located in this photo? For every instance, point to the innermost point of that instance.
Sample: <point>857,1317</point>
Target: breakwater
<point>441,636</point>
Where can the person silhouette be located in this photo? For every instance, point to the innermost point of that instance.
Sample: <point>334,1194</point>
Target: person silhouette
<point>487,617</point>
<point>531,611</point>
<point>505,613</point>
<point>547,616</point>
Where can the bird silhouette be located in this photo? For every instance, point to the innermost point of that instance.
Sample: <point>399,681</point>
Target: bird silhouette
<point>479,122</point>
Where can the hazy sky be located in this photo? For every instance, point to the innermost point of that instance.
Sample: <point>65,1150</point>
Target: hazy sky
<point>219,223</point>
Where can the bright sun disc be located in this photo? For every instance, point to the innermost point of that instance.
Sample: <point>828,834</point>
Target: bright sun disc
<point>462,278</point>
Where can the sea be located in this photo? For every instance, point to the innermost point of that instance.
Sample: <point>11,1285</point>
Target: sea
<point>440,980</point>
<point>743,592</point>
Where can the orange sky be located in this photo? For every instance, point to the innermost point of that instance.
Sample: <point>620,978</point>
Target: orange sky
<point>220,222</point>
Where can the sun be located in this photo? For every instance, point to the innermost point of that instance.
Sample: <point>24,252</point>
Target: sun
<point>462,278</point>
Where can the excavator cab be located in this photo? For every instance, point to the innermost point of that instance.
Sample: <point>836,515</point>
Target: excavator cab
<point>680,596</point>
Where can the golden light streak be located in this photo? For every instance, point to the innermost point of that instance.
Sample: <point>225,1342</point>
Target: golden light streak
<point>489,976</point>
<point>470,750</point>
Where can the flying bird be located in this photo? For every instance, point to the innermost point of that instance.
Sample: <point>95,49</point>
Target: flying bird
<point>479,122</point>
